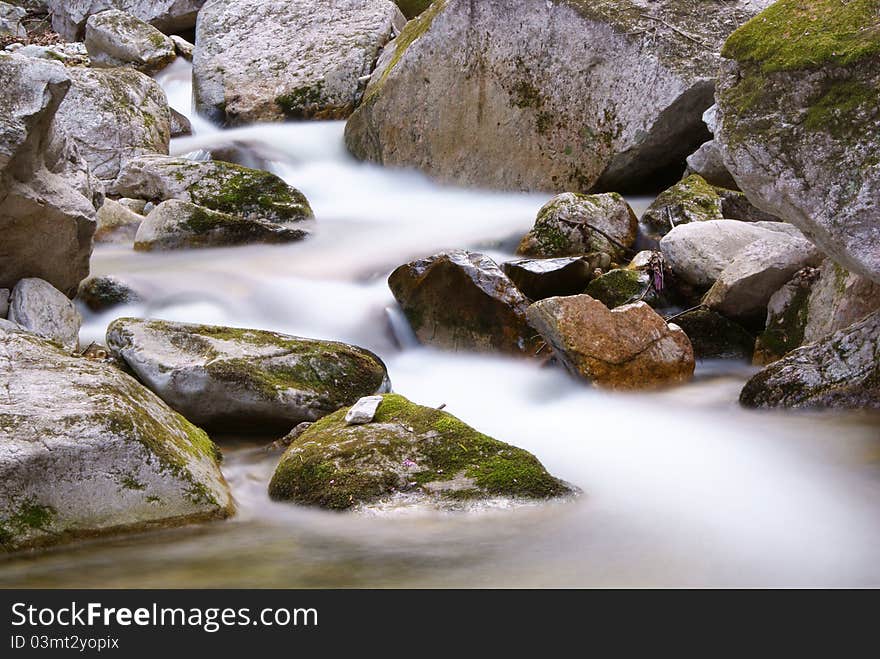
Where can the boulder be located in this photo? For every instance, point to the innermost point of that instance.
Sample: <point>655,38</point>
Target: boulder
<point>69,16</point>
<point>542,278</point>
<point>787,313</point>
<point>461,300</point>
<point>86,451</point>
<point>690,200</point>
<point>38,307</point>
<point>618,287</point>
<point>715,337</point>
<point>799,126</point>
<point>11,21</point>
<point>47,197</point>
<point>183,47</point>
<point>708,163</point>
<point>115,38</point>
<point>410,454</point>
<point>630,347</point>
<point>175,224</point>
<point>252,380</point>
<point>113,115</point>
<point>270,61</point>
<point>69,54</point>
<point>575,224</point>
<point>180,125</point>
<point>840,371</point>
<point>553,96</point>
<point>838,299</point>
<point>216,185</point>
<point>116,223</point>
<point>104,292</point>
<point>735,205</point>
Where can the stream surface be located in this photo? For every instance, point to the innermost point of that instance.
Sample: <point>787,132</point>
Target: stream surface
<point>681,488</point>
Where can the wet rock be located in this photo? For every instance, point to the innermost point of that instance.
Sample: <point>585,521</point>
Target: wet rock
<point>106,455</point>
<point>838,299</point>
<point>630,347</point>
<point>114,38</point>
<point>690,200</point>
<point>104,292</point>
<point>177,224</point>
<point>461,300</point>
<point>229,378</point>
<point>38,307</point>
<point>409,452</point>
<point>4,302</point>
<point>840,371</point>
<point>715,337</point>
<point>114,115</point>
<point>180,125</point>
<point>264,61</point>
<point>799,89</point>
<point>69,17</point>
<point>47,198</point>
<point>542,278</point>
<point>574,224</point>
<point>215,185</point>
<point>575,96</point>
<point>116,223</point>
<point>618,287</point>
<point>363,411</point>
<point>787,313</point>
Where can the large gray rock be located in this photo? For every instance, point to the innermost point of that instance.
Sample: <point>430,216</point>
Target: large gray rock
<point>246,379</point>
<point>114,116</point>
<point>40,308</point>
<point>116,223</point>
<point>546,94</point>
<point>799,128</point>
<point>219,186</point>
<point>838,299</point>
<point>47,197</point>
<point>175,224</point>
<point>11,18</point>
<point>270,61</point>
<point>69,16</point>
<point>115,38</point>
<point>842,370</point>
<point>86,451</point>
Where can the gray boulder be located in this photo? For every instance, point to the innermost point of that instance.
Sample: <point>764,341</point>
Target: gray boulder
<point>11,18</point>
<point>114,38</point>
<point>787,314</point>
<point>245,379</point>
<point>69,16</point>
<point>86,451</point>
<point>838,299</point>
<point>116,223</point>
<point>42,309</point>
<point>708,163</point>
<point>270,61</point>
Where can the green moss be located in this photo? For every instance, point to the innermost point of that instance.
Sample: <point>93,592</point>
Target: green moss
<point>618,287</point>
<point>28,516</point>
<point>302,102</point>
<point>837,109</point>
<point>808,34</point>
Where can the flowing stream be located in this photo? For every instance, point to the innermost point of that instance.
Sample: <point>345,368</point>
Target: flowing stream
<point>681,488</point>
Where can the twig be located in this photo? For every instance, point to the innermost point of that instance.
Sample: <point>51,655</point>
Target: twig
<point>699,307</point>
<point>675,29</point>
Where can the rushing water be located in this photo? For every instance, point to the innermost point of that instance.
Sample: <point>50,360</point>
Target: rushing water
<point>680,488</point>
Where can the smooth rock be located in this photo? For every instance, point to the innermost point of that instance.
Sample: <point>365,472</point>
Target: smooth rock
<point>183,47</point>
<point>543,278</point>
<point>708,163</point>
<point>630,347</point>
<point>116,223</point>
<point>40,308</point>
<point>363,411</point>
<point>180,125</point>
<point>409,455</point>
<point>69,54</point>
<point>228,378</point>
<point>69,16</point>
<point>115,38</point>
<point>104,292</point>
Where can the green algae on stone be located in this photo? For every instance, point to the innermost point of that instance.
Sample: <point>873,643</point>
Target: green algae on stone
<point>689,200</point>
<point>619,287</point>
<point>409,449</point>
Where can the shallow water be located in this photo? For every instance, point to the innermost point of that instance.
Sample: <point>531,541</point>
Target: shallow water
<point>681,488</point>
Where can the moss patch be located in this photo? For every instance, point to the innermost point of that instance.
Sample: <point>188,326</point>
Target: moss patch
<point>618,287</point>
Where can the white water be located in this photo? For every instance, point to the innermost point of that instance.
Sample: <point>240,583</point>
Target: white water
<point>681,488</point>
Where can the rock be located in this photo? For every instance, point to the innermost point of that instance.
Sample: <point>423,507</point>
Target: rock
<point>841,371</point>
<point>45,188</point>
<point>699,252</point>
<point>736,206</point>
<point>707,163</point>
<point>227,378</point>
<point>175,224</point>
<point>412,8</point>
<point>800,89</point>
<point>180,125</point>
<point>630,347</point>
<point>263,61</point>
<point>114,38</point>
<point>38,307</point>
<point>114,115</point>
<point>787,313</point>
<point>363,411</point>
<point>116,223</point>
<point>69,54</point>
<point>137,206</point>
<point>69,16</point>
<point>11,20</point>
<point>409,453</point>
<point>690,200</point>
<point>104,292</point>
<point>86,451</point>
<point>837,300</point>
<point>744,287</point>
<point>555,95</point>
<point>461,300</point>
<point>715,337</point>
<point>542,278</point>
<point>219,186</point>
<point>4,302</point>
<point>183,47</point>
<point>618,287</point>
<point>574,224</point>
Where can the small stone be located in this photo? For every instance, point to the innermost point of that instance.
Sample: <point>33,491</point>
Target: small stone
<point>363,411</point>
<point>39,307</point>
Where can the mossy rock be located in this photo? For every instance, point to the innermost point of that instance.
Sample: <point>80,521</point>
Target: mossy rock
<point>103,292</point>
<point>408,451</point>
<point>619,287</point>
<point>689,200</point>
<point>787,316</point>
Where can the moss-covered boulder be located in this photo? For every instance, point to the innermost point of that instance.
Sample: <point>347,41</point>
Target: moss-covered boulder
<point>103,292</point>
<point>548,95</point>
<point>715,337</point>
<point>690,200</point>
<point>86,451</point>
<point>618,287</point>
<point>787,314</point>
<point>271,61</point>
<point>799,125</point>
<point>408,452</point>
<point>227,378</point>
<point>176,224</point>
<point>462,300</point>
<point>575,224</point>
<point>215,185</point>
<point>115,38</point>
